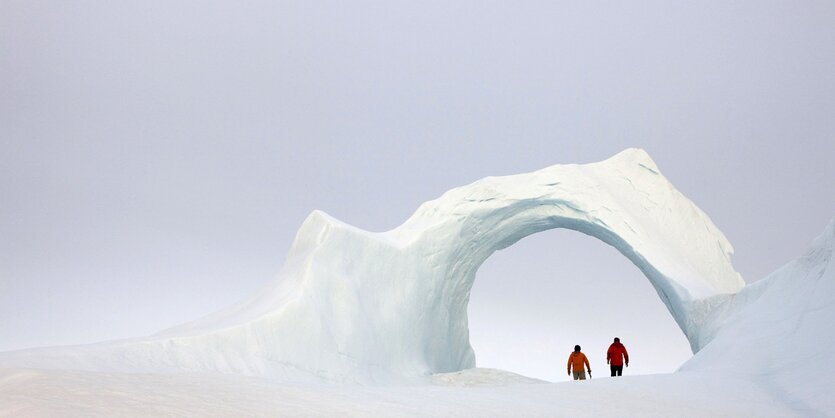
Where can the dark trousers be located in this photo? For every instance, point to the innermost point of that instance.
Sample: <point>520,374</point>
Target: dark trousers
<point>616,370</point>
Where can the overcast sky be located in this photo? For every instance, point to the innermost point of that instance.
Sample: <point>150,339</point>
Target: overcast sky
<point>157,158</point>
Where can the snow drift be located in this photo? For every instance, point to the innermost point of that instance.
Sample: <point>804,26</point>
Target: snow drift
<point>356,306</point>
<point>779,331</point>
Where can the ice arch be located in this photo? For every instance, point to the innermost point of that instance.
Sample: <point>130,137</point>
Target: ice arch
<point>352,305</point>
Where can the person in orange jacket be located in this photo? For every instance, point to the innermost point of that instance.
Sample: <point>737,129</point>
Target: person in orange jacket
<point>579,361</point>
<point>615,357</point>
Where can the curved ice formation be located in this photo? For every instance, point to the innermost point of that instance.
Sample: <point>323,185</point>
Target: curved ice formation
<point>352,305</point>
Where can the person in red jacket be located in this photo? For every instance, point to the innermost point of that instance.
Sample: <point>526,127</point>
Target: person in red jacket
<point>616,356</point>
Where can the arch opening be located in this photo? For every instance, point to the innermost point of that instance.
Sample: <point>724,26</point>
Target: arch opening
<point>533,301</point>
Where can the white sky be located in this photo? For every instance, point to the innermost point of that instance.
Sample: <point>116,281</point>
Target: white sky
<point>156,159</point>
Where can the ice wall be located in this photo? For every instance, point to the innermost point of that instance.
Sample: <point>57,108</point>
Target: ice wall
<point>350,305</point>
<point>779,330</point>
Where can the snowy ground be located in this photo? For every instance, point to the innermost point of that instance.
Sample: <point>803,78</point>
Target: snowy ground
<point>41,393</point>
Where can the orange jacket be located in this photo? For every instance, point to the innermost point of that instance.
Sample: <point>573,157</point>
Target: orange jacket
<point>616,354</point>
<point>577,359</point>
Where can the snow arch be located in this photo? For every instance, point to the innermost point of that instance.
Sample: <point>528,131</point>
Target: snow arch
<point>352,305</point>
<point>368,305</point>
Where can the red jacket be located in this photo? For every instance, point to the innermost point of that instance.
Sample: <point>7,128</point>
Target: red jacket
<point>616,354</point>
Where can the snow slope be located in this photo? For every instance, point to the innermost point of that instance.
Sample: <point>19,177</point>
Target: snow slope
<point>780,331</point>
<point>356,306</point>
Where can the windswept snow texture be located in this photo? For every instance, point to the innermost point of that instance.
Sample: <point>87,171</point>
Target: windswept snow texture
<point>356,306</point>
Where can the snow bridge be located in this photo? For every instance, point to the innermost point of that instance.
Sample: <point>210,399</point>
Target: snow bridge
<point>356,306</point>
